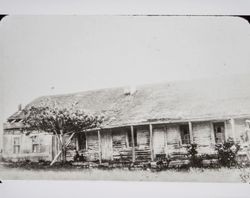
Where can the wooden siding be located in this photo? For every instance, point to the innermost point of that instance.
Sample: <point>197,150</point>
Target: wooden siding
<point>173,137</point>
<point>26,144</point>
<point>119,138</point>
<point>71,147</point>
<point>115,144</point>
<point>142,150</point>
<point>142,137</point>
<point>121,150</point>
<point>240,130</point>
<point>92,153</point>
<point>228,130</point>
<point>44,149</point>
<point>202,133</point>
<point>240,133</point>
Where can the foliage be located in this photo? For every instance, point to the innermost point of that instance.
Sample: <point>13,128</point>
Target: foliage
<point>59,121</point>
<point>195,159</point>
<point>227,152</point>
<point>245,176</point>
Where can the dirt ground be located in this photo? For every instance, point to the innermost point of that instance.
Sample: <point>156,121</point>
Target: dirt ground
<point>192,175</point>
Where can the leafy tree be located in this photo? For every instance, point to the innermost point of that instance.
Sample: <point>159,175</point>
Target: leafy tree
<point>195,159</point>
<point>227,152</point>
<point>60,122</point>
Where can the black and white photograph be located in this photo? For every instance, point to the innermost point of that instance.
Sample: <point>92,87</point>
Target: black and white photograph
<point>125,98</point>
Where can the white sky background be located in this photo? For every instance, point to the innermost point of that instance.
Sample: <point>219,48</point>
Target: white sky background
<point>42,55</point>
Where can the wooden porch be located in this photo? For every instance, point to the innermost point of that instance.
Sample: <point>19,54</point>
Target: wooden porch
<point>149,142</point>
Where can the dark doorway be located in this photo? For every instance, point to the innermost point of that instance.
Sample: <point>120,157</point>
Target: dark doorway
<point>219,132</point>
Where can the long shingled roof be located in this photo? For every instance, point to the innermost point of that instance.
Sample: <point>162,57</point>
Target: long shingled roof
<point>173,101</point>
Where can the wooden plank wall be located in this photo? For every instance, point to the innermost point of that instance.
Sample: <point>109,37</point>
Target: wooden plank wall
<point>142,137</point>
<point>92,153</point>
<point>202,134</point>
<point>240,130</point>
<point>26,144</point>
<point>45,143</point>
<point>44,152</point>
<point>228,129</point>
<point>119,139</point>
<point>240,133</point>
<point>115,145</point>
<point>173,137</point>
<point>142,149</point>
<point>7,144</point>
<point>121,151</point>
<point>71,147</point>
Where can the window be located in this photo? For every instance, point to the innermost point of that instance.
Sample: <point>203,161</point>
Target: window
<point>130,138</point>
<point>185,136</point>
<point>35,144</point>
<point>219,132</point>
<point>16,143</point>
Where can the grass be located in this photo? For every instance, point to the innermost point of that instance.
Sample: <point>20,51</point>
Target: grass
<point>191,175</point>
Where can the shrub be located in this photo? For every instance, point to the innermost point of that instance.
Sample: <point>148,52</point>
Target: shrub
<point>227,152</point>
<point>245,176</point>
<point>195,159</point>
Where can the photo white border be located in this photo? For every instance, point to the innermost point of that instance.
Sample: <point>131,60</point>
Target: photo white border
<point>21,188</point>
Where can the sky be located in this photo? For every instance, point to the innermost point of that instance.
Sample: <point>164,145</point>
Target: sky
<point>44,55</point>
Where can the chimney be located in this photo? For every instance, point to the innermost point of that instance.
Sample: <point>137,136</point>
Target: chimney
<point>130,90</point>
<point>20,107</point>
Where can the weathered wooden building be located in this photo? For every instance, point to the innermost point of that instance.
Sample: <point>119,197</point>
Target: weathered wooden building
<point>143,124</point>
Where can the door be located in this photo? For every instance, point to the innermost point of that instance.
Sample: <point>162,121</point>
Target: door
<point>159,140</point>
<point>106,145</point>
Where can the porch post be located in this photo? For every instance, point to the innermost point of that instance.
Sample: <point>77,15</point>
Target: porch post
<point>212,133</point>
<point>248,131</point>
<point>133,143</point>
<point>99,146</point>
<point>233,128</point>
<point>191,132</point>
<point>151,141</point>
<point>225,131</point>
<point>77,141</point>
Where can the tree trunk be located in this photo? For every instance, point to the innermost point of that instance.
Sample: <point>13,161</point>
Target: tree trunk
<point>60,152</point>
<point>63,148</point>
<point>64,154</point>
